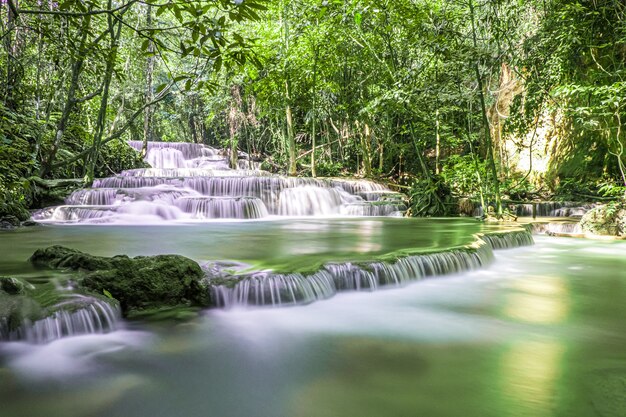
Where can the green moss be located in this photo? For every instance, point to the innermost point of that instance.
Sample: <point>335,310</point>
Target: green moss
<point>605,220</point>
<point>15,309</point>
<point>139,283</point>
<point>165,314</point>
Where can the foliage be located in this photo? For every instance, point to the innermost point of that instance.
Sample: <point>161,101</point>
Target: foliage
<point>17,134</point>
<point>431,198</point>
<point>406,89</point>
<point>462,173</point>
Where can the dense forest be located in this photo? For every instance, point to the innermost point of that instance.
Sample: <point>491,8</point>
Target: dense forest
<point>493,101</point>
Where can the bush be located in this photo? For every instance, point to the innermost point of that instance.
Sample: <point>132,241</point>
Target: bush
<point>18,134</point>
<point>431,198</point>
<point>329,169</point>
<point>460,175</point>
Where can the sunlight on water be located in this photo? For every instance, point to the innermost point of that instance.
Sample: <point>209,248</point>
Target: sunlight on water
<point>530,375</point>
<point>539,299</point>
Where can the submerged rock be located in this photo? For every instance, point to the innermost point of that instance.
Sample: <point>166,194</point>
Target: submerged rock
<point>606,220</point>
<point>141,283</point>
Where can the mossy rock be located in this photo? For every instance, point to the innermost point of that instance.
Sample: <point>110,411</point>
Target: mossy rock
<point>141,283</point>
<point>9,222</point>
<point>14,286</point>
<point>60,257</point>
<point>606,220</point>
<point>49,192</point>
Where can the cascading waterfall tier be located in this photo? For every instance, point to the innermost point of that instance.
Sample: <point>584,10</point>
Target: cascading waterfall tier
<point>556,228</point>
<point>275,289</point>
<point>193,182</point>
<point>76,315</point>
<point>223,207</point>
<point>545,209</point>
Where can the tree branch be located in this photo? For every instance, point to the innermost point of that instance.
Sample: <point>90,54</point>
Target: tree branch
<point>70,14</point>
<point>316,148</point>
<point>88,96</point>
<point>120,131</point>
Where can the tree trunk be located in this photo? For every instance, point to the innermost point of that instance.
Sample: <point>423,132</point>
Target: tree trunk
<point>489,142</point>
<point>291,141</point>
<point>147,116</point>
<point>314,114</point>
<point>115,30</point>
<point>366,150</point>
<point>77,68</point>
<point>10,45</point>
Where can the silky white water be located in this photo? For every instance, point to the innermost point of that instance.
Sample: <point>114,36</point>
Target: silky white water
<point>537,333</point>
<point>190,182</point>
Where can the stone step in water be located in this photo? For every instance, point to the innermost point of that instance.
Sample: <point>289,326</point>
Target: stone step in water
<point>77,315</point>
<point>545,209</point>
<point>275,289</point>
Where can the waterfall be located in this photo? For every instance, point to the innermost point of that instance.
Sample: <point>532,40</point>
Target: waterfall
<point>556,228</point>
<point>383,208</point>
<point>508,240</point>
<point>275,289</point>
<point>545,209</point>
<point>166,158</point>
<point>223,207</point>
<point>193,182</point>
<point>77,315</point>
<point>309,201</point>
<point>267,288</point>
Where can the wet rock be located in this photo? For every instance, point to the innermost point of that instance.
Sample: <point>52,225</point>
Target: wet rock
<point>15,310</point>
<point>9,222</point>
<point>29,223</point>
<point>144,282</point>
<point>12,286</point>
<point>60,257</point>
<point>52,192</point>
<point>605,220</point>
<point>45,313</point>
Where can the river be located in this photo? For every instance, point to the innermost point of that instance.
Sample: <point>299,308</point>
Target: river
<point>539,332</point>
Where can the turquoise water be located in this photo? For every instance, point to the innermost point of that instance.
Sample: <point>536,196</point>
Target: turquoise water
<point>286,244</point>
<point>538,333</point>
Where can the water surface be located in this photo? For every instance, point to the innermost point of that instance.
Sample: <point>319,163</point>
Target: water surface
<point>539,333</point>
<point>285,244</point>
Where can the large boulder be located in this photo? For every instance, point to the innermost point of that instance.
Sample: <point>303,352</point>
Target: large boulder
<point>141,283</point>
<point>48,192</point>
<point>60,257</point>
<point>605,220</point>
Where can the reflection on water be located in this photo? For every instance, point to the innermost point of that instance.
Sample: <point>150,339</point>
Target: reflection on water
<point>541,333</point>
<point>270,243</point>
<point>530,375</point>
<point>539,299</point>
